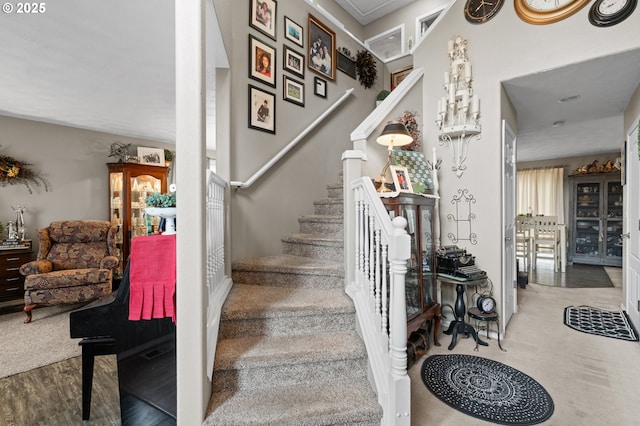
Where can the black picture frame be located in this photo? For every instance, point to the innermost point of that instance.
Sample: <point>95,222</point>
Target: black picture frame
<point>263,16</point>
<point>257,118</point>
<point>258,50</point>
<point>293,31</point>
<point>321,48</point>
<point>293,90</point>
<point>346,64</point>
<point>320,87</point>
<point>293,61</point>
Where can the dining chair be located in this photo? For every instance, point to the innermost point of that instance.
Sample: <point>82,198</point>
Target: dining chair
<point>546,239</point>
<point>524,241</point>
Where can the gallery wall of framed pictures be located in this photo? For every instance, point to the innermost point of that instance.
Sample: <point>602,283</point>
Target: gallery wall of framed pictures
<point>312,47</point>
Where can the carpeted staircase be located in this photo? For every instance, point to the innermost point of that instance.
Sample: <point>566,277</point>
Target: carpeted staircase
<point>288,352</point>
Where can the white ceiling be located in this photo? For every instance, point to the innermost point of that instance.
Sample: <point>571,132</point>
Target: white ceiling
<point>367,11</point>
<point>109,66</point>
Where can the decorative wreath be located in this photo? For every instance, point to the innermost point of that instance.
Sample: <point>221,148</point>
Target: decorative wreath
<point>366,68</point>
<point>408,118</point>
<point>14,172</point>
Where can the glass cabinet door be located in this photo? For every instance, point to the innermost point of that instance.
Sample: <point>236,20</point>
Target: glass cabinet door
<point>141,186</point>
<point>588,237</point>
<point>613,223</point>
<point>412,280</point>
<point>428,259</point>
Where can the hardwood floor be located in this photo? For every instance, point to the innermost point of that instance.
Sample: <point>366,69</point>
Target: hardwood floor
<point>52,395</point>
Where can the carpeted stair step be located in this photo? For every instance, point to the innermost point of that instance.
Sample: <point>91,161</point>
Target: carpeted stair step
<point>252,310</point>
<point>289,271</point>
<point>329,206</point>
<point>319,246</point>
<point>321,224</point>
<point>263,361</point>
<point>335,190</point>
<point>329,403</point>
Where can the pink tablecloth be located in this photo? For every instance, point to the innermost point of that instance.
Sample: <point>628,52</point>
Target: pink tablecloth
<point>152,275</point>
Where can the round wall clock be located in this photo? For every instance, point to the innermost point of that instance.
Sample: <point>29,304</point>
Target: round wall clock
<point>480,11</point>
<point>605,13</point>
<point>547,11</point>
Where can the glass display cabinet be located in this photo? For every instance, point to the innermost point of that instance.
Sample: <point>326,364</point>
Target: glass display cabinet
<point>129,185</point>
<point>596,219</point>
<point>420,283</point>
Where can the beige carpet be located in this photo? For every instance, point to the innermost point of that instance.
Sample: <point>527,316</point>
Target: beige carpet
<point>593,380</point>
<point>43,341</point>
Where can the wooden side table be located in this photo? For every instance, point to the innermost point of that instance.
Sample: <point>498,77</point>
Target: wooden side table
<point>11,281</point>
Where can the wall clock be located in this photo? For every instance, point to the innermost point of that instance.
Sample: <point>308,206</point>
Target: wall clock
<point>547,11</point>
<point>480,11</point>
<point>605,13</point>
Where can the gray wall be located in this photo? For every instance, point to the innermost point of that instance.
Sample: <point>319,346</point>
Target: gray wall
<point>263,213</point>
<point>73,161</point>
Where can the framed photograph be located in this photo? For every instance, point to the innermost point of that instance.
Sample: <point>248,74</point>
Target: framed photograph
<point>294,62</point>
<point>293,32</point>
<point>293,91</point>
<point>321,45</point>
<point>401,178</point>
<point>262,16</point>
<point>152,156</point>
<point>398,76</point>
<point>262,65</point>
<point>346,64</point>
<point>319,87</point>
<point>262,110</point>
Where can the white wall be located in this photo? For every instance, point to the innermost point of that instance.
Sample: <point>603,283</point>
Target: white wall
<point>499,50</point>
<point>73,161</point>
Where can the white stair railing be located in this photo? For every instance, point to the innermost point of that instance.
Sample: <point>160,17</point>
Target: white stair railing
<point>381,250</point>
<point>369,241</point>
<point>218,283</point>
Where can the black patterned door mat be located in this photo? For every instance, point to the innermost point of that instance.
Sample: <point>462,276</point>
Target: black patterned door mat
<point>596,321</point>
<point>487,389</point>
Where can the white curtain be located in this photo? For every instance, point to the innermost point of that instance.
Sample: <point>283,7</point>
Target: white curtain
<point>541,192</point>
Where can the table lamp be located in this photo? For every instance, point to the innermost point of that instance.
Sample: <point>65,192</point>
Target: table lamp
<point>394,134</point>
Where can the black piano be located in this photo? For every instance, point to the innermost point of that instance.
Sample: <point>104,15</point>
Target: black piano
<point>145,351</point>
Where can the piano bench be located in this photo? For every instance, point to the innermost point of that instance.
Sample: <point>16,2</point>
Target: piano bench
<point>92,347</point>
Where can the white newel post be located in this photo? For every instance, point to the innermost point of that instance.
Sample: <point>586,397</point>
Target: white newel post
<point>352,163</point>
<point>400,386</point>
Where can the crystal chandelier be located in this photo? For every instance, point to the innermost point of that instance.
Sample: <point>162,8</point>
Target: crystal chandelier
<point>459,112</point>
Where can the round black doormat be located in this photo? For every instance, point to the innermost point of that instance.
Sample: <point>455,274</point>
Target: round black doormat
<point>487,389</point>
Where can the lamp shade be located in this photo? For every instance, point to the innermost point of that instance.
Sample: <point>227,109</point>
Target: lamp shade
<point>394,134</point>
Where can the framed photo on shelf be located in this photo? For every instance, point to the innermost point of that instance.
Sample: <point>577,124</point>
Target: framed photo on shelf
<point>401,178</point>
<point>398,76</point>
<point>293,32</point>
<point>321,47</point>
<point>293,62</point>
<point>262,16</point>
<point>319,87</point>
<point>262,62</point>
<point>152,156</point>
<point>293,91</point>
<point>346,64</point>
<point>262,110</point>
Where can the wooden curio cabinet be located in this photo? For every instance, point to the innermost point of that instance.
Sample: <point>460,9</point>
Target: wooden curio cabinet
<point>129,185</point>
<point>420,283</point>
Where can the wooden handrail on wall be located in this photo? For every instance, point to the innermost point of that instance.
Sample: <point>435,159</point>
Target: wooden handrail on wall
<point>292,144</point>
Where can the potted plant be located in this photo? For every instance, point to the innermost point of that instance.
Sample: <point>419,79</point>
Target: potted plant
<point>168,157</point>
<point>382,96</point>
<point>164,206</point>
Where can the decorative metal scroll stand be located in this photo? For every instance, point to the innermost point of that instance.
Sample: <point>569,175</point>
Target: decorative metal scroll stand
<point>462,217</point>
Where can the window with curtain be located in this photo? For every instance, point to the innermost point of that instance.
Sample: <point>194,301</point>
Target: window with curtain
<point>541,191</point>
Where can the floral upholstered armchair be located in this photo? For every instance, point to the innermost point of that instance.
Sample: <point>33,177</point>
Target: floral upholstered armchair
<point>75,264</point>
